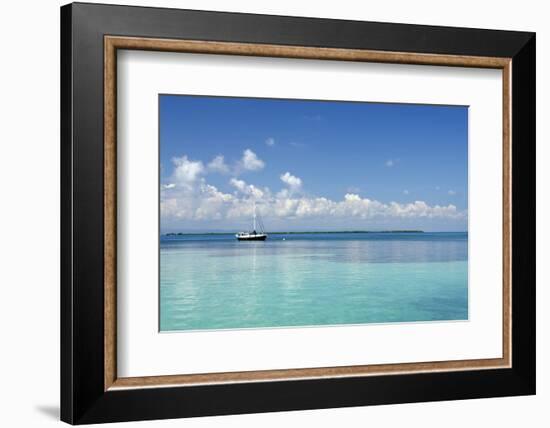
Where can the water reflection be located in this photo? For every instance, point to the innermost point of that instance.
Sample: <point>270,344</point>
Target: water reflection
<point>369,248</point>
<point>221,283</point>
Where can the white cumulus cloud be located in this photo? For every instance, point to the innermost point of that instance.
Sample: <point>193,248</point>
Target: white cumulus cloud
<point>246,189</point>
<point>186,196</point>
<point>295,183</point>
<point>186,171</point>
<point>251,162</point>
<point>270,142</point>
<point>218,165</point>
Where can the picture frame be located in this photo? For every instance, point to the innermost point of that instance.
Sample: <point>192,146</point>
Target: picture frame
<point>91,391</point>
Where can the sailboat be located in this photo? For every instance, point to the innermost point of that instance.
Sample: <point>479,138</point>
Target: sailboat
<point>254,235</point>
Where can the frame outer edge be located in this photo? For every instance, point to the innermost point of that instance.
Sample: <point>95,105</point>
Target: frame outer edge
<point>82,394</point>
<point>298,30</point>
<point>87,211</point>
<point>66,218</point>
<point>524,215</point>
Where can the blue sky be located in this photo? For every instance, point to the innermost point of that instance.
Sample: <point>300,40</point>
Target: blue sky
<point>402,166</point>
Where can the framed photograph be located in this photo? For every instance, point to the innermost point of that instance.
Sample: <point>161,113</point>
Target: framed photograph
<point>266,213</point>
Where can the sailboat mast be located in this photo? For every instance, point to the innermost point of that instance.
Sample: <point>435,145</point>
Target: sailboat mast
<point>254,229</point>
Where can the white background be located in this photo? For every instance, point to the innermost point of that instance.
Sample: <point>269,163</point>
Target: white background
<point>142,351</point>
<point>29,230</point>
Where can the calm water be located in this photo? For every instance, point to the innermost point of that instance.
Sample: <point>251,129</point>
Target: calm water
<point>216,282</point>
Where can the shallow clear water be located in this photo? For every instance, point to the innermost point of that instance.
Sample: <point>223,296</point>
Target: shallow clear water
<point>216,282</point>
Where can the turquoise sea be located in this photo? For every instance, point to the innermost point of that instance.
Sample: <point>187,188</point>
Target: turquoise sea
<point>216,282</point>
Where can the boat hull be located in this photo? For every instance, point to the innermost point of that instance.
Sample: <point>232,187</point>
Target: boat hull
<point>258,237</point>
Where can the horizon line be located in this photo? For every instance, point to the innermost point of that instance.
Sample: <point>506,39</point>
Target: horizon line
<point>316,232</point>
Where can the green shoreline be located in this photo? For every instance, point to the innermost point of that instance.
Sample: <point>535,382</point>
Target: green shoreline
<point>297,233</point>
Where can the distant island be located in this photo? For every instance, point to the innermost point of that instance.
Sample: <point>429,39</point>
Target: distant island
<point>298,233</point>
